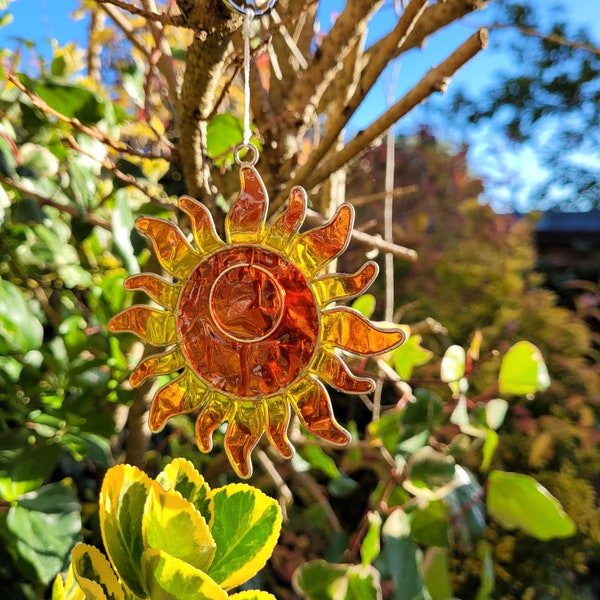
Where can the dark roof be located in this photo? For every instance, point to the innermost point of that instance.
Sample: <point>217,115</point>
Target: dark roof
<point>570,222</point>
<point>578,231</point>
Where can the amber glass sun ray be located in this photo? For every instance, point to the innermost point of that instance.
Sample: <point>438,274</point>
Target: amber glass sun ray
<point>245,323</point>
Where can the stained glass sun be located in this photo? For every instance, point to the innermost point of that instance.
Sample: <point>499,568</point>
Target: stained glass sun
<point>247,324</point>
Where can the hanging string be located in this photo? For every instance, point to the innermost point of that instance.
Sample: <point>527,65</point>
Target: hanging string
<point>247,33</point>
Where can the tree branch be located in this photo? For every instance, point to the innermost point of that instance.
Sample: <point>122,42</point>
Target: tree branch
<point>369,241</point>
<point>164,62</point>
<point>436,16</point>
<point>328,58</point>
<point>165,19</point>
<point>375,65</point>
<point>94,63</point>
<point>214,25</point>
<point>435,80</point>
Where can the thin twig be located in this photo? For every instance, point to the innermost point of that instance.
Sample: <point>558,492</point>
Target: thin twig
<point>165,19</point>
<point>396,193</point>
<point>371,241</point>
<point>77,124</point>
<point>107,164</point>
<point>285,494</point>
<point>45,201</point>
<point>551,37</point>
<point>315,491</point>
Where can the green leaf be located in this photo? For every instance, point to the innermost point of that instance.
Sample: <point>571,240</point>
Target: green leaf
<point>94,573</point>
<point>20,330</point>
<point>429,525</point>
<point>8,163</point>
<point>495,412</point>
<point>453,364</point>
<point>523,370</point>
<point>518,501</point>
<point>168,578</point>
<point>460,414</point>
<point>320,580</point>
<point>435,574</point>
<point>72,100</point>
<point>122,501</point>
<point>428,470</point>
<point>489,447</point>
<point>452,370</point>
<point>486,577</point>
<point>369,549</point>
<point>465,508</point>
<point>319,459</point>
<point>410,355</point>
<point>23,468</point>
<point>365,305</point>
<point>45,524</point>
<point>426,412</point>
<point>181,476</point>
<point>122,228</point>
<point>224,133</point>
<point>40,159</point>
<point>387,429</point>
<point>363,583</point>
<point>173,525</point>
<point>342,486</point>
<point>315,580</point>
<point>401,556</point>
<point>245,528</point>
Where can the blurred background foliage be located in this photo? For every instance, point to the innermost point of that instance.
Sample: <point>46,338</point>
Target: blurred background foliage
<point>436,497</point>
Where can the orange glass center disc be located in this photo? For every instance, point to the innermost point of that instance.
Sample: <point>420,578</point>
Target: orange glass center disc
<point>247,322</point>
<point>247,303</point>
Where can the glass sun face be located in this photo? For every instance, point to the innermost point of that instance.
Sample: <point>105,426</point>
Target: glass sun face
<point>247,323</point>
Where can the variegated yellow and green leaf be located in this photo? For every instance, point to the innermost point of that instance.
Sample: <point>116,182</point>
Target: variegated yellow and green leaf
<point>92,590</point>
<point>67,590</point>
<point>168,578</point>
<point>252,595</point>
<point>173,525</point>
<point>58,589</point>
<point>94,574</point>
<point>246,527</point>
<point>122,501</point>
<point>181,475</point>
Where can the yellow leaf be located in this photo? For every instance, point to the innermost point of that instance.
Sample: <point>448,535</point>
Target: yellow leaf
<point>58,589</point>
<point>168,578</point>
<point>253,595</point>
<point>173,525</point>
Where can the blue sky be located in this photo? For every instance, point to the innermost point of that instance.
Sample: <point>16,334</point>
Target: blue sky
<point>42,20</point>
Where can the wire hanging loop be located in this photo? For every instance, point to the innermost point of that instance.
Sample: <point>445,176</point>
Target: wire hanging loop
<point>244,7</point>
<point>246,149</point>
<point>246,155</point>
